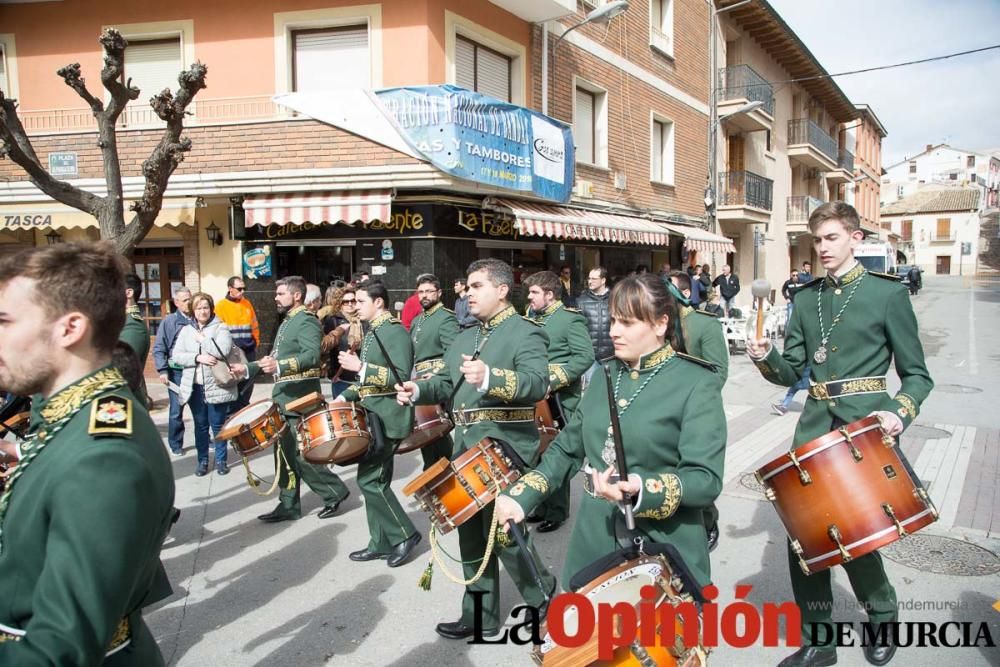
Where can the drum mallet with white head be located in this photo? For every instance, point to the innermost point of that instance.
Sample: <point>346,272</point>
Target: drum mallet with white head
<point>760,289</point>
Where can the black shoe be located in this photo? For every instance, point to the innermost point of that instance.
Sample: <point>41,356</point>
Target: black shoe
<point>534,518</point>
<point>402,550</point>
<point>713,537</point>
<point>279,514</point>
<point>366,555</point>
<point>177,452</point>
<point>459,630</point>
<point>811,656</point>
<point>879,654</point>
<point>202,469</point>
<point>549,526</point>
<point>221,468</point>
<point>331,510</point>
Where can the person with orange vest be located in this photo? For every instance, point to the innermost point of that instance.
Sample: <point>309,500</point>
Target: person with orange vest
<point>238,314</point>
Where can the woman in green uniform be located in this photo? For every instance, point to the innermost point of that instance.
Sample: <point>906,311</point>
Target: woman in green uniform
<point>673,430</point>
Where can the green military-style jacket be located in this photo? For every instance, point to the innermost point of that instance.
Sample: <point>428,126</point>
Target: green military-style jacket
<point>135,334</point>
<point>515,352</point>
<point>81,527</point>
<point>877,327</point>
<point>432,333</point>
<point>570,352</point>
<point>376,382</point>
<point>674,432</point>
<point>297,351</point>
<point>703,338</point>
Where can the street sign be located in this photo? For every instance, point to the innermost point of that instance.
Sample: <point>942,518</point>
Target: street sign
<point>967,248</point>
<point>62,164</point>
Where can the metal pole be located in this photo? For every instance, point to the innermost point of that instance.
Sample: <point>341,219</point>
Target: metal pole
<point>756,246</point>
<point>545,68</point>
<point>712,130</point>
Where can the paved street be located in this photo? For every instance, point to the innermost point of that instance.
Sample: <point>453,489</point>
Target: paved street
<point>248,593</point>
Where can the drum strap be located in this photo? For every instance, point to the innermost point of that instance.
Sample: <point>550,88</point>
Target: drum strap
<point>254,480</point>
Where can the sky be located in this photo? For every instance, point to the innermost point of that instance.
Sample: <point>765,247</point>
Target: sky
<point>954,101</point>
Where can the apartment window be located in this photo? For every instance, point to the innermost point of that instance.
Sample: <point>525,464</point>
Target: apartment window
<point>943,229</point>
<point>152,65</point>
<point>662,151</point>
<point>899,192</point>
<point>767,141</point>
<point>970,161</point>
<point>3,70</point>
<point>331,58</point>
<point>661,28</point>
<point>907,230</point>
<point>913,167</point>
<point>482,69</point>
<point>590,125</point>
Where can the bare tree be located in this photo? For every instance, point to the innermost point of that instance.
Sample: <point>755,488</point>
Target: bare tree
<point>157,169</point>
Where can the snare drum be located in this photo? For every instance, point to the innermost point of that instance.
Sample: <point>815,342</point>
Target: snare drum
<point>452,492</point>
<point>254,428</point>
<point>337,434</point>
<point>430,424</point>
<point>16,426</point>
<point>548,428</point>
<point>623,583</point>
<point>846,494</point>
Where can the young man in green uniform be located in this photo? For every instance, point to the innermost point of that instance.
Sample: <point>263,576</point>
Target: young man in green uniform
<point>849,325</point>
<point>386,354</point>
<point>571,354</point>
<point>432,332</point>
<point>495,398</point>
<point>294,363</point>
<point>85,513</point>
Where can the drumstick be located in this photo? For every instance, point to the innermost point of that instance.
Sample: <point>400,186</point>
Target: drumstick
<point>522,544</point>
<point>616,433</point>
<point>388,359</point>
<point>761,289</point>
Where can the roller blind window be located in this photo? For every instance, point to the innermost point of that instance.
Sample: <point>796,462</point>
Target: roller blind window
<point>153,65</point>
<point>3,71</point>
<point>331,58</point>
<point>584,126</point>
<point>482,69</point>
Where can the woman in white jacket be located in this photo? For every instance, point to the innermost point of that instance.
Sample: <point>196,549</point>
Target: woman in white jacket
<point>198,347</point>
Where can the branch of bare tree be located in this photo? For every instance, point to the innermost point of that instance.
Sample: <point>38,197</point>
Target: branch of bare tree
<point>71,75</point>
<point>111,75</point>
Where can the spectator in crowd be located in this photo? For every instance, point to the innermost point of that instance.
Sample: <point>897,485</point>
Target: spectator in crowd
<point>805,275</point>
<point>788,289</point>
<point>199,346</point>
<point>593,303</point>
<point>706,280</point>
<point>914,279</point>
<point>665,270</point>
<point>641,269</point>
<point>238,314</point>
<point>566,294</point>
<point>465,318</point>
<point>342,332</point>
<point>359,278</point>
<point>411,309</point>
<point>170,375</point>
<point>698,291</point>
<point>801,385</point>
<point>313,299</point>
<point>713,307</point>
<point>729,286</point>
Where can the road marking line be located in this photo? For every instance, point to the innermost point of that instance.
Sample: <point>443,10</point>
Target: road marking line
<point>943,463</point>
<point>743,452</point>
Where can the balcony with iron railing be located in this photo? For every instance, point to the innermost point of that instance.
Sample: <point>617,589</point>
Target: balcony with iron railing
<point>810,145</point>
<point>744,197</point>
<point>947,237</point>
<point>222,110</point>
<point>844,173</point>
<point>739,85</point>
<point>798,208</point>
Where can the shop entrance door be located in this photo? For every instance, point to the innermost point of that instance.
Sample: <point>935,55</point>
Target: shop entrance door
<point>161,271</point>
<point>943,265</point>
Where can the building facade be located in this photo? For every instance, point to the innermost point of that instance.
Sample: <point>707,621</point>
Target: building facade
<point>939,228</point>
<point>864,140</point>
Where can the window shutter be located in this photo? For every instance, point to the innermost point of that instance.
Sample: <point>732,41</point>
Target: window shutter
<point>657,151</point>
<point>331,59</point>
<point>465,64</point>
<point>493,74</point>
<point>153,65</point>
<point>3,72</point>
<point>583,126</point>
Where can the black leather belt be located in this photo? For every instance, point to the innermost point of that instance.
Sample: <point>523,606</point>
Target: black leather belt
<point>824,391</point>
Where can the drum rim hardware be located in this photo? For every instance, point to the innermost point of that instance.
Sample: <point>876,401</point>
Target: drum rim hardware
<point>848,438</point>
<point>822,448</point>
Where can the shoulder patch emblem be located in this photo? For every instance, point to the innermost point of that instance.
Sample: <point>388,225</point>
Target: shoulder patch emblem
<point>110,415</point>
<point>697,360</point>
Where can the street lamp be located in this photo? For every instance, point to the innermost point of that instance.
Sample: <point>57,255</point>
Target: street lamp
<point>601,15</point>
<point>214,234</point>
<point>53,237</point>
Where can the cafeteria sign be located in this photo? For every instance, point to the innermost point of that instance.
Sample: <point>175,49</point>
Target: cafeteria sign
<point>482,139</point>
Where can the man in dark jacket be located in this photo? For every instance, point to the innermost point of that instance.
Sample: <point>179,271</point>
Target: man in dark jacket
<point>593,303</point>
<point>913,277</point>
<point>162,347</point>
<point>729,286</point>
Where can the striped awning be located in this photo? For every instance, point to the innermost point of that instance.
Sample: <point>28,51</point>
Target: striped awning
<point>347,206</point>
<point>701,240</point>
<point>174,212</point>
<point>572,224</point>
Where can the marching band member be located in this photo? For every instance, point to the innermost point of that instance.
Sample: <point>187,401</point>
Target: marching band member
<point>849,326</point>
<point>673,431</point>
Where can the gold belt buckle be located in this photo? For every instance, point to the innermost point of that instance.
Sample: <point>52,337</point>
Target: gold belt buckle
<point>819,391</point>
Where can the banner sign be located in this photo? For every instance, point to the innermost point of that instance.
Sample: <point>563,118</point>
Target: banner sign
<point>257,263</point>
<point>482,139</point>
